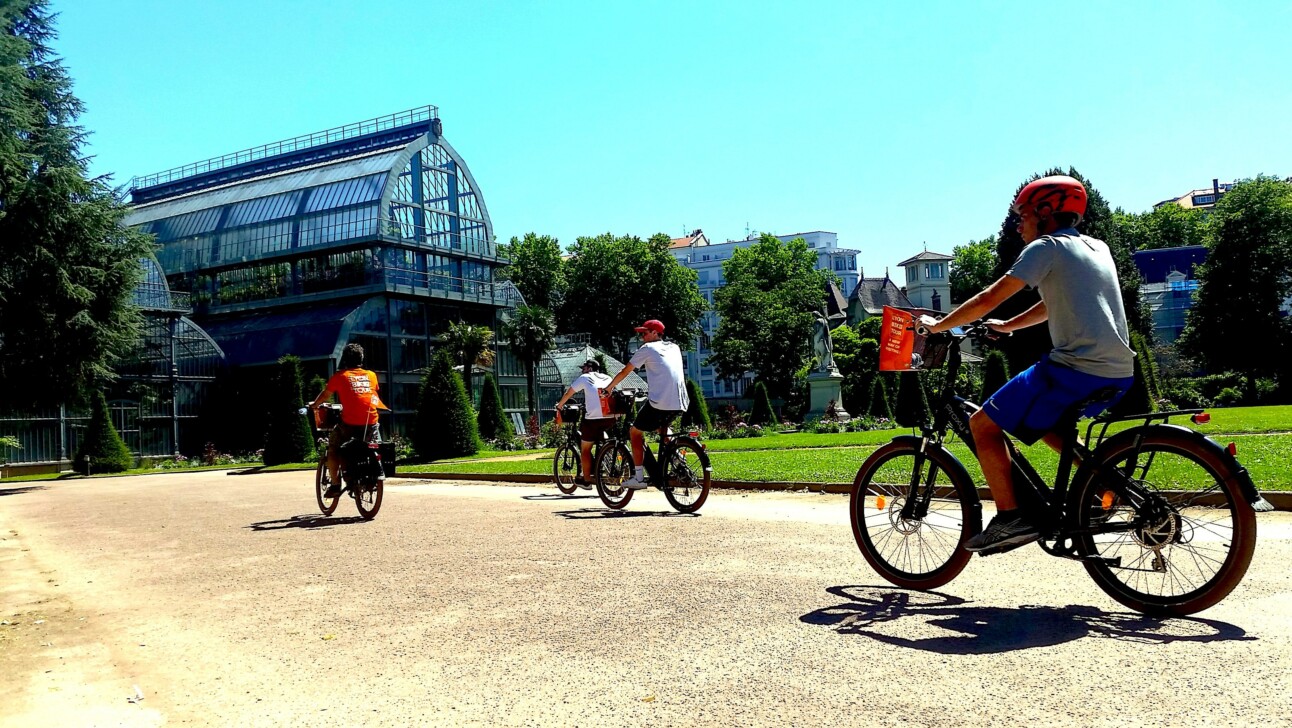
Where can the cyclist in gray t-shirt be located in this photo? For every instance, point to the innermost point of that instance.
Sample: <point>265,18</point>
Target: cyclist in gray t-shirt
<point>1081,301</point>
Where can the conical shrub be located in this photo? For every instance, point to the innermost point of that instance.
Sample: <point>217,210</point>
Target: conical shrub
<point>287,439</point>
<point>762,413</point>
<point>446,425</point>
<point>492,420</point>
<point>697,414</point>
<point>879,406</point>
<point>995,372</point>
<point>107,453</point>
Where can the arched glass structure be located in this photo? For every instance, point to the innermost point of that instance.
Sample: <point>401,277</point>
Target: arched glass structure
<point>374,232</point>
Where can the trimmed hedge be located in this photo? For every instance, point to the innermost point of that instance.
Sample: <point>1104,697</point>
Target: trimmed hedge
<point>446,424</point>
<point>287,438</point>
<point>107,452</point>
<point>492,420</point>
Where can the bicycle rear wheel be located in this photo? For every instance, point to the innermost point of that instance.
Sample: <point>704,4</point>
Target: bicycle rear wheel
<point>1196,533</point>
<point>367,498</point>
<point>920,549</point>
<point>686,475</point>
<point>614,465</point>
<point>565,466</point>
<point>321,485</point>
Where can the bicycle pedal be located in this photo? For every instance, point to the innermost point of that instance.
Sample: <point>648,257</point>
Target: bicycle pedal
<point>1002,549</point>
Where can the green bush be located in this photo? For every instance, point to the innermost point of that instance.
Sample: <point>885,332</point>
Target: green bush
<point>287,438</point>
<point>492,420</point>
<point>107,453</point>
<point>995,372</point>
<point>879,407</point>
<point>762,414</point>
<point>1229,397</point>
<point>912,403</point>
<point>446,425</point>
<point>697,413</point>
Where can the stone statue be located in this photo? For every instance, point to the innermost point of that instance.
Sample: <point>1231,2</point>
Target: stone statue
<point>822,344</point>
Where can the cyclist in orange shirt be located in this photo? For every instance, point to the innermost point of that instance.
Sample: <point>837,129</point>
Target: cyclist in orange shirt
<point>356,387</point>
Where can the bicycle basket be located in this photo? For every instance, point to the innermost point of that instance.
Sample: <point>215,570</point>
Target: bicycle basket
<point>902,349</point>
<point>327,416</point>
<point>618,403</point>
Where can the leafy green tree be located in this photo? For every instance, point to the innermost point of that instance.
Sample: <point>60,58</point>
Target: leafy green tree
<point>1027,346</point>
<point>846,346</point>
<point>531,333</point>
<point>69,266</point>
<point>766,308</point>
<point>536,269</point>
<point>871,328</point>
<point>616,283</point>
<point>1148,367</point>
<point>1235,323</point>
<point>994,375</point>
<point>471,345</point>
<point>446,424</point>
<point>697,413</point>
<point>287,437</point>
<point>879,406</point>
<point>857,377</point>
<point>912,402</point>
<point>972,268</point>
<point>492,420</point>
<point>762,412</point>
<point>1168,226</point>
<point>102,444</point>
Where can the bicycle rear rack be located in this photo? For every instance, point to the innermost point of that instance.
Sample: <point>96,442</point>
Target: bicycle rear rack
<point>1148,418</point>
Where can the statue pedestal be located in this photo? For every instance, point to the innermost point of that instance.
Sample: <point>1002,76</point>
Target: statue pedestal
<point>823,387</point>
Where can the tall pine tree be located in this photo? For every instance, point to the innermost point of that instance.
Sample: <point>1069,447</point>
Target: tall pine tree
<point>69,267</point>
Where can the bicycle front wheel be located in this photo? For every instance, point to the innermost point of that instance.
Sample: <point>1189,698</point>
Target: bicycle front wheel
<point>565,466</point>
<point>1193,538</point>
<point>686,475</point>
<point>614,466</point>
<point>321,484</point>
<point>915,547</point>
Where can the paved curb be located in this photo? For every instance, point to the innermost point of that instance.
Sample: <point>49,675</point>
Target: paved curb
<point>1281,500</point>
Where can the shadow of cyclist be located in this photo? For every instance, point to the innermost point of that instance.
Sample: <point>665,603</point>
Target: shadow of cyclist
<point>554,497</point>
<point>17,490</point>
<point>305,521</point>
<point>584,514</point>
<point>970,630</point>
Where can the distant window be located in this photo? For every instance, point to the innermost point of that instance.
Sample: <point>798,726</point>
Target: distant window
<point>1204,199</point>
<point>812,244</point>
<point>706,257</point>
<point>912,274</point>
<point>933,271</point>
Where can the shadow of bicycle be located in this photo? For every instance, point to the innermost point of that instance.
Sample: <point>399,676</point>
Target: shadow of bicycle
<point>947,624</point>
<point>555,497</point>
<point>306,521</point>
<point>18,490</point>
<point>584,514</point>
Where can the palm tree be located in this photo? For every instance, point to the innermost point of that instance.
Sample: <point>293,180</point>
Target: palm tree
<point>531,332</point>
<point>471,346</point>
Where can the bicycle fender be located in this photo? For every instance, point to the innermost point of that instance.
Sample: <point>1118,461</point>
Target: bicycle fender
<point>950,461</point>
<point>1239,473</point>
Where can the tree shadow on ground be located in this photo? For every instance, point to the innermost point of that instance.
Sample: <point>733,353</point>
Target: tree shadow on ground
<point>555,497</point>
<point>584,514</point>
<point>20,489</point>
<point>312,520</point>
<point>946,624</point>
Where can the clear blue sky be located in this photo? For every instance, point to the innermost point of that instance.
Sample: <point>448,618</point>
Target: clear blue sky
<point>892,124</point>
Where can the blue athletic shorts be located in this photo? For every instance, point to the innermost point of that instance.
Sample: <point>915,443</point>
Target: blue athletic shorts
<point>1030,404</point>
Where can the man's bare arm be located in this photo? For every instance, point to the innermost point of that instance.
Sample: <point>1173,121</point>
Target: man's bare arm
<point>1037,314</point>
<point>621,376</point>
<point>980,305</point>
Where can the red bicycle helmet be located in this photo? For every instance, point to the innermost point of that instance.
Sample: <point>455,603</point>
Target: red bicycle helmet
<point>1049,195</point>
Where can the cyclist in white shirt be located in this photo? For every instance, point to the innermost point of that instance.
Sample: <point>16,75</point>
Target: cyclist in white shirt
<point>596,421</point>
<point>666,385</point>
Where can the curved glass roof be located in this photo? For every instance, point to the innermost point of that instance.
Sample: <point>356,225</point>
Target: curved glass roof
<point>393,180</point>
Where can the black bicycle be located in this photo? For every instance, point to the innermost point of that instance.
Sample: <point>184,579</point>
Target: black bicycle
<point>362,469</point>
<point>567,463</point>
<point>683,471</point>
<point>1162,517</point>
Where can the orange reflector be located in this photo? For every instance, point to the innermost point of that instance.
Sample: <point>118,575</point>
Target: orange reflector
<point>1107,500</point>
<point>1233,449</point>
<point>880,501</point>
<point>1201,418</point>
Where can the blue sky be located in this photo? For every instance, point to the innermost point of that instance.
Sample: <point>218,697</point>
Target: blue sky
<point>893,124</point>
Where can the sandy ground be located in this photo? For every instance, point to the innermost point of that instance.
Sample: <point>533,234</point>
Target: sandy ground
<point>227,600</point>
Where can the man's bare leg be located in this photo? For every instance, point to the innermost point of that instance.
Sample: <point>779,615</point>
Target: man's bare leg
<point>638,439</point>
<point>993,456</point>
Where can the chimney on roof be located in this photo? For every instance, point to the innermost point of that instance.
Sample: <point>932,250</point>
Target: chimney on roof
<point>1215,186</point>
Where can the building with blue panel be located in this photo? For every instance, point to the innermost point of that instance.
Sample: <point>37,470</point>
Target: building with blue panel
<point>1169,284</point>
<point>374,232</point>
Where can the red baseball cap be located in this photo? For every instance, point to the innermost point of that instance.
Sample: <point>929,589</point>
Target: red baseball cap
<point>653,325</point>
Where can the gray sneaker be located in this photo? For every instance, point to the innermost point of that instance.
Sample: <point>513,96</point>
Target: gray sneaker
<point>1003,534</point>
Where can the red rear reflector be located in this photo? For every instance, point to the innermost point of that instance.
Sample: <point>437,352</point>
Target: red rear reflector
<point>693,433</point>
<point>1201,418</point>
<point>1233,449</point>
